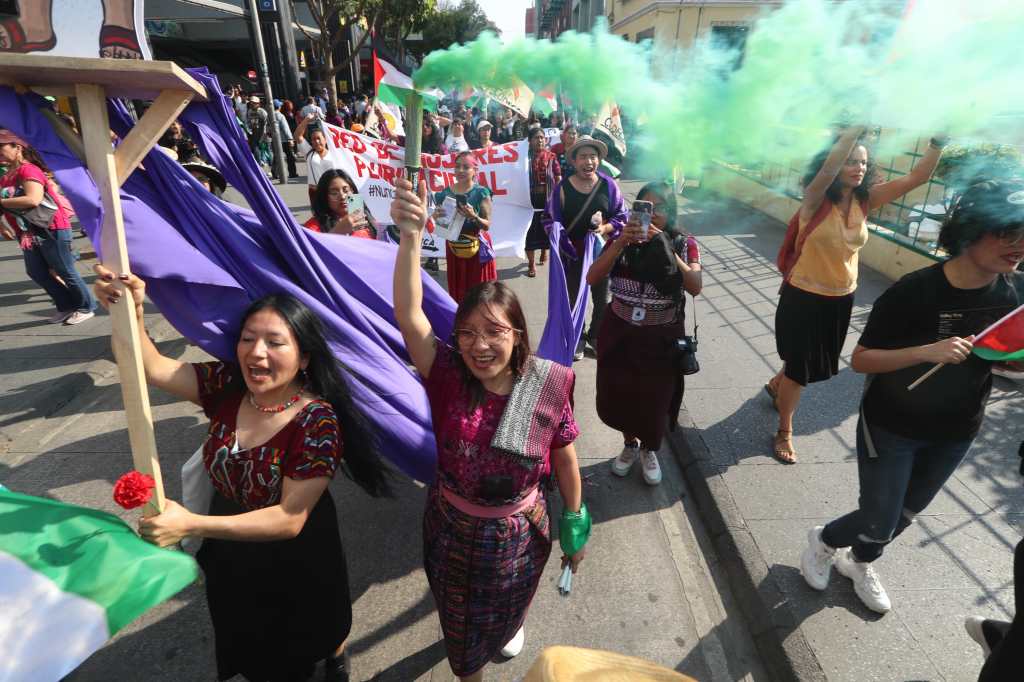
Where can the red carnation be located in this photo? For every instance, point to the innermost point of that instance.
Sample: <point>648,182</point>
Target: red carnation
<point>133,489</point>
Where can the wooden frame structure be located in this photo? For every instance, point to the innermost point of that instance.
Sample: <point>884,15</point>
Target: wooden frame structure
<point>92,81</point>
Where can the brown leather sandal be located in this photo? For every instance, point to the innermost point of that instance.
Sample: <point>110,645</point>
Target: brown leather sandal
<point>782,447</point>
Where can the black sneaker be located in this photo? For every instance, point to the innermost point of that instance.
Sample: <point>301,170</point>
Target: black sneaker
<point>336,669</point>
<point>431,265</point>
<point>987,633</point>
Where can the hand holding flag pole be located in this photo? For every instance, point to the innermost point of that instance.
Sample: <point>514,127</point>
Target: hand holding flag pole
<point>1002,341</point>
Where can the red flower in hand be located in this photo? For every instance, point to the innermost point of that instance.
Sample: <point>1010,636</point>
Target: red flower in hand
<point>133,489</point>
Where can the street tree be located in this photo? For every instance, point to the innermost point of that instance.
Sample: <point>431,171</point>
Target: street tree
<point>453,24</point>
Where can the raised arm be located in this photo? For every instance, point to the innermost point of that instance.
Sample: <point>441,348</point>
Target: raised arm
<point>300,130</point>
<point>884,192</point>
<point>814,193</point>
<point>409,212</point>
<point>176,377</point>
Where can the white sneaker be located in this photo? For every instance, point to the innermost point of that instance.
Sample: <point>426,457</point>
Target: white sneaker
<point>816,561</point>
<point>59,316</point>
<point>973,625</point>
<point>865,581</point>
<point>515,645</point>
<point>624,462</point>
<point>79,317</point>
<point>578,355</point>
<point>651,468</point>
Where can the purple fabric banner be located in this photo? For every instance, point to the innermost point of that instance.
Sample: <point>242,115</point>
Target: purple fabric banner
<point>205,260</point>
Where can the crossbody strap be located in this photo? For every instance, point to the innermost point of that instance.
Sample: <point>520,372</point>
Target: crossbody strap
<point>586,205</point>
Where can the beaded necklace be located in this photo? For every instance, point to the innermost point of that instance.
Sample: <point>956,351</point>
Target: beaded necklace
<point>276,409</point>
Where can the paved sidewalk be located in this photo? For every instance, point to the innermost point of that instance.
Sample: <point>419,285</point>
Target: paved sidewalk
<point>956,560</point>
<point>651,585</point>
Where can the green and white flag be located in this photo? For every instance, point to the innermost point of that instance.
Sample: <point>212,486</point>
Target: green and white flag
<point>71,577</point>
<point>394,87</point>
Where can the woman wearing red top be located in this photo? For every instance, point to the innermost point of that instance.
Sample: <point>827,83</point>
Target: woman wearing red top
<point>47,249</point>
<point>330,208</point>
<point>545,174</point>
<point>281,419</point>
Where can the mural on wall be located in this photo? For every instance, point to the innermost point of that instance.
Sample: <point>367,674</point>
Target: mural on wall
<point>75,28</point>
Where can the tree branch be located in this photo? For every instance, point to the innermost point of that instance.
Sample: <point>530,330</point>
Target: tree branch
<point>310,38</point>
<point>355,51</point>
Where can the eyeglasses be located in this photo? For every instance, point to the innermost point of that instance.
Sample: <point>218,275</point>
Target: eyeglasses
<point>491,336</point>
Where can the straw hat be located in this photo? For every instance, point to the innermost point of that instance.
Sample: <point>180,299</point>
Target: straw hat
<point>588,141</point>
<point>572,664</point>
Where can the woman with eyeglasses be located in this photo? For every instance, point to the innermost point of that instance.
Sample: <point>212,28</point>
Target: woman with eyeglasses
<point>331,208</point>
<point>909,442</point>
<point>639,369</point>
<point>819,260</point>
<point>470,260</point>
<point>486,531</point>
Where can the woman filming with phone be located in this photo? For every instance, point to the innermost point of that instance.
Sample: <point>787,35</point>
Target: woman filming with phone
<point>640,360</point>
<point>338,208</point>
<point>470,258</point>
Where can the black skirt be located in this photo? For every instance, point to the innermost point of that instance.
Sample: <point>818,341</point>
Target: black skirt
<point>537,236</point>
<point>277,607</point>
<point>810,331</point>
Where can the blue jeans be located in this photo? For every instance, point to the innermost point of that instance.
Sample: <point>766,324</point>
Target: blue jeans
<point>56,254</point>
<point>898,478</point>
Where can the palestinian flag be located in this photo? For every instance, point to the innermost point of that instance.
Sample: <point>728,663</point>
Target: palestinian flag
<point>71,577</point>
<point>545,102</point>
<point>394,86</point>
<point>1004,340</point>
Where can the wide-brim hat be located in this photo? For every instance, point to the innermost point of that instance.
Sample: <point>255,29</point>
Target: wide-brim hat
<point>573,664</point>
<point>216,177</point>
<point>588,141</point>
<point>254,100</point>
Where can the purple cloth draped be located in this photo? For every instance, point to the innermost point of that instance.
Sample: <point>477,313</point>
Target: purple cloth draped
<point>566,318</point>
<point>205,260</point>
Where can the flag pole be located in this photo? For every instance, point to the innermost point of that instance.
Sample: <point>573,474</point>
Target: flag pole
<point>921,379</point>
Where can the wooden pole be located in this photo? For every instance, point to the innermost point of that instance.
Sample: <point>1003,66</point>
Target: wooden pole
<point>921,379</point>
<point>100,158</point>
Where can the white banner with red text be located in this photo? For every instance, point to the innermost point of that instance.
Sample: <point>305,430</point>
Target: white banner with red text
<point>503,169</point>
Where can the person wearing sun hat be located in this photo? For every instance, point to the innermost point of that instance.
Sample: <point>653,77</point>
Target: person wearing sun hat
<point>208,175</point>
<point>909,442</point>
<point>590,207</point>
<point>483,134</point>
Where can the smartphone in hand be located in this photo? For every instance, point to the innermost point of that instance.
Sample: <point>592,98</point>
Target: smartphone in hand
<point>355,204</point>
<point>642,211</point>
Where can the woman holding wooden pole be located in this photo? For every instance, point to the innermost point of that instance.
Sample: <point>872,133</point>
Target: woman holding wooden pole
<point>281,421</point>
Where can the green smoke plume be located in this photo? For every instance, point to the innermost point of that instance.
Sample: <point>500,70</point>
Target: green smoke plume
<point>944,65</point>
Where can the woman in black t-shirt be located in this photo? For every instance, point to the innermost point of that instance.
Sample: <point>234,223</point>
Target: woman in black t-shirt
<point>909,442</point>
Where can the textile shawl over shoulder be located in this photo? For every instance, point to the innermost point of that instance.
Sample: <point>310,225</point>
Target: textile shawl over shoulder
<point>533,412</point>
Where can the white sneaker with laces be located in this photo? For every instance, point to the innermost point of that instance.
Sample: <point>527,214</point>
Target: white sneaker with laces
<point>816,561</point>
<point>624,462</point>
<point>651,468</point>
<point>515,645</point>
<point>79,317</point>
<point>59,316</point>
<point>866,583</point>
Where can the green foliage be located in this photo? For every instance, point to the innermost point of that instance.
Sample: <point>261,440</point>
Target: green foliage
<point>453,24</point>
<point>963,165</point>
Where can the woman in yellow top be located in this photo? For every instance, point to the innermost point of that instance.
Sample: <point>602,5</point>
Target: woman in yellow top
<point>816,299</point>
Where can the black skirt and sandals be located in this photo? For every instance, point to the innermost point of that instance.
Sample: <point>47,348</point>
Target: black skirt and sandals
<point>810,331</point>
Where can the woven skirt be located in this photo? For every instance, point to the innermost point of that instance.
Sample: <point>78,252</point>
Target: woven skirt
<point>483,574</point>
<point>810,331</point>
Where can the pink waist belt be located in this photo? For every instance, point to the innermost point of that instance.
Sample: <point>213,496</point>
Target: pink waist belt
<point>483,512</point>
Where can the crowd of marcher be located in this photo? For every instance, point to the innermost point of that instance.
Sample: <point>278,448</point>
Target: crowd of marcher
<point>486,525</point>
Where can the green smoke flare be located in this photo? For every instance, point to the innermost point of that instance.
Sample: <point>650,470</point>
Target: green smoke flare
<point>944,65</point>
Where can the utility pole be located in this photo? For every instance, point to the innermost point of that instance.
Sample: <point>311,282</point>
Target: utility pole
<point>291,59</point>
<point>268,94</point>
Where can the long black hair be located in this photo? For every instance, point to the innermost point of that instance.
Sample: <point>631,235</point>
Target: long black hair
<point>834,193</point>
<point>326,379</point>
<point>321,208</point>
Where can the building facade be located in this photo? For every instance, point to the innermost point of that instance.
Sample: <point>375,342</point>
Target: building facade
<point>554,17</point>
<point>681,23</point>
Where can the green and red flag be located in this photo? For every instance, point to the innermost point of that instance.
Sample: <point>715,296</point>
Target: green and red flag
<point>71,577</point>
<point>1004,340</point>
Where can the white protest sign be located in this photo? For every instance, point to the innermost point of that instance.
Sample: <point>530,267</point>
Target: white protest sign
<point>374,165</point>
<point>553,135</point>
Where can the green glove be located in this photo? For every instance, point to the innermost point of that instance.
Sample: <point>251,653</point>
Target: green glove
<point>574,530</point>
